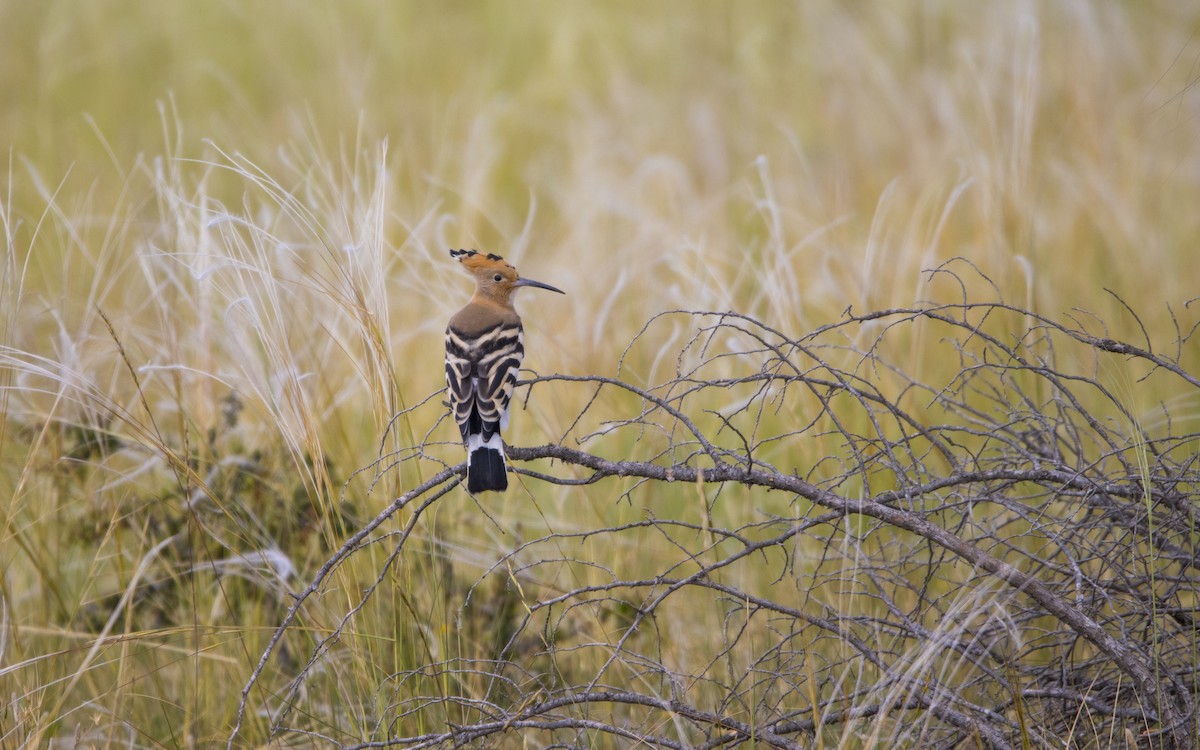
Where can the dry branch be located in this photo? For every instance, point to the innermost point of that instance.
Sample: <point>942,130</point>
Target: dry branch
<point>1007,559</point>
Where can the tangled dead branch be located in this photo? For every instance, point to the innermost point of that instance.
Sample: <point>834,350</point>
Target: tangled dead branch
<point>1006,558</point>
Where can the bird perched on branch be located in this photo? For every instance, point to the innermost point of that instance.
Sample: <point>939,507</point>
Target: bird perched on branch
<point>484,348</point>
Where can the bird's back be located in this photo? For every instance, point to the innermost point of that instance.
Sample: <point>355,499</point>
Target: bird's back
<point>479,316</point>
<point>484,348</point>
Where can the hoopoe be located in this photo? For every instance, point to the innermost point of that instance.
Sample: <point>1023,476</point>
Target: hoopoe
<point>484,348</point>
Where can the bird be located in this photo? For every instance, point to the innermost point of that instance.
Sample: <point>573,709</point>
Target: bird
<point>485,344</point>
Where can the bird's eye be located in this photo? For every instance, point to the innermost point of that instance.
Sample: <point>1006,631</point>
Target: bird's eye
<point>496,277</point>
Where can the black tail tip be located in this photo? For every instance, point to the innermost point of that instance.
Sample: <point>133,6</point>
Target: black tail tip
<point>485,472</point>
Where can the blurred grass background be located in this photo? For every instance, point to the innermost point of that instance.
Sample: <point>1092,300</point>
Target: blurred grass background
<point>225,270</point>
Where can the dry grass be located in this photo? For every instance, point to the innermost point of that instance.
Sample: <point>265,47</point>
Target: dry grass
<point>225,231</point>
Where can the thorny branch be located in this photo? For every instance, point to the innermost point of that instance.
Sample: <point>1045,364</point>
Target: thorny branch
<point>1005,558</point>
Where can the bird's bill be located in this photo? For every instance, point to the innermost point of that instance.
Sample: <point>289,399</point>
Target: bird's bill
<point>538,284</point>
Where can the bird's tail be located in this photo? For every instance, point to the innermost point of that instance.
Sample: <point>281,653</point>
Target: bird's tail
<point>485,464</point>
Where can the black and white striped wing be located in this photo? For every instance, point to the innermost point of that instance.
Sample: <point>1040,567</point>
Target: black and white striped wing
<point>481,372</point>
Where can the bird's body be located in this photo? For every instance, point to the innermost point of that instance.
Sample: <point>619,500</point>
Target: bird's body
<point>484,348</point>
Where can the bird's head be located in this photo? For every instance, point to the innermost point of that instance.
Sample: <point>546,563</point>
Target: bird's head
<point>495,278</point>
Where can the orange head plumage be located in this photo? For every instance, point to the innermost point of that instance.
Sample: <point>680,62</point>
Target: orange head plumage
<point>495,279</point>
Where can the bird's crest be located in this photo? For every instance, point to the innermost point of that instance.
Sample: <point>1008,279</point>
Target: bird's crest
<point>474,260</point>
